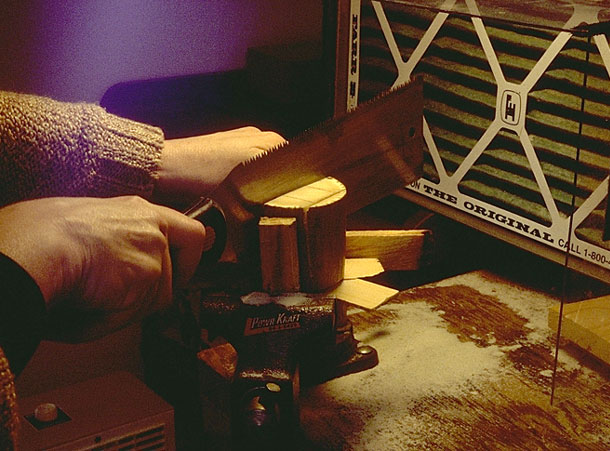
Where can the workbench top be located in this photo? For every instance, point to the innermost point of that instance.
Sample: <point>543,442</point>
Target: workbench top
<point>465,363</point>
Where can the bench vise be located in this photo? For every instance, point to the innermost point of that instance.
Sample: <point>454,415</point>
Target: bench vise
<point>282,337</point>
<point>247,338</point>
<point>280,343</point>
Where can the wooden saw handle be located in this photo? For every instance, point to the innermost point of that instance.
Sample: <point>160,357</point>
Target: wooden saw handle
<point>210,214</point>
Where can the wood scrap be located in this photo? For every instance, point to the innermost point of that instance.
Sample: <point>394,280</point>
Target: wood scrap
<point>356,268</point>
<point>397,250</point>
<point>362,293</point>
<point>586,324</point>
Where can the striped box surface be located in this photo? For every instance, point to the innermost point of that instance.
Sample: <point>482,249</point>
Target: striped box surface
<point>517,112</point>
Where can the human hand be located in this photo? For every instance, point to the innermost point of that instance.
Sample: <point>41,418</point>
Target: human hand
<point>101,263</point>
<point>194,166</point>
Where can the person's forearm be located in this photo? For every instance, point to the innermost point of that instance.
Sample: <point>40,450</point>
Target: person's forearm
<point>50,148</point>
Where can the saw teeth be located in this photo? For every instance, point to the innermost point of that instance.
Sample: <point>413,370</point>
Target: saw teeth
<point>263,154</point>
<point>382,94</point>
<point>258,156</point>
<point>321,125</point>
<point>310,132</point>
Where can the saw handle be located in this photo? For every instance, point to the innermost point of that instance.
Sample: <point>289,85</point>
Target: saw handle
<point>210,214</point>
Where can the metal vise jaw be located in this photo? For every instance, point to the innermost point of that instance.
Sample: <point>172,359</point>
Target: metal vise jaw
<point>281,343</point>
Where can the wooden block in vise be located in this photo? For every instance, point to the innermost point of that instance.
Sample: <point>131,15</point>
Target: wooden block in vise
<point>586,324</point>
<point>279,254</point>
<point>319,209</point>
<point>399,250</point>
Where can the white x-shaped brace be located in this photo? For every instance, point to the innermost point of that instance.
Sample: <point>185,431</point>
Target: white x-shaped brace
<point>518,95</point>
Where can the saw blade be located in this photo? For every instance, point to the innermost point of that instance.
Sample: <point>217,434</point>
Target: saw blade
<point>373,150</point>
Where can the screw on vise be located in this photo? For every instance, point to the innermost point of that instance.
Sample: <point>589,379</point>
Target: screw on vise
<point>260,423</point>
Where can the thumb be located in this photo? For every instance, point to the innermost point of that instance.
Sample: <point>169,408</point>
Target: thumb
<point>186,238</point>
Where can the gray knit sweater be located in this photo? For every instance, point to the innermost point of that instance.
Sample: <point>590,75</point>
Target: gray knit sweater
<point>51,148</point>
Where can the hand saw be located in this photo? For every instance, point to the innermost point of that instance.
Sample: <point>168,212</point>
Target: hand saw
<point>373,150</point>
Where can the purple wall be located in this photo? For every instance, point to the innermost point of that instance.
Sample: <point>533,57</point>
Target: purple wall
<point>76,49</point>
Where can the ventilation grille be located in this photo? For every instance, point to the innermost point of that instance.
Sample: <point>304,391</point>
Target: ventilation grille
<point>152,438</point>
<point>518,117</point>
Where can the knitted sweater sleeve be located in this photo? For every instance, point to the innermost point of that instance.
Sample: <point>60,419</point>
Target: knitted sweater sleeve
<point>9,420</point>
<point>51,148</point>
<point>22,319</point>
